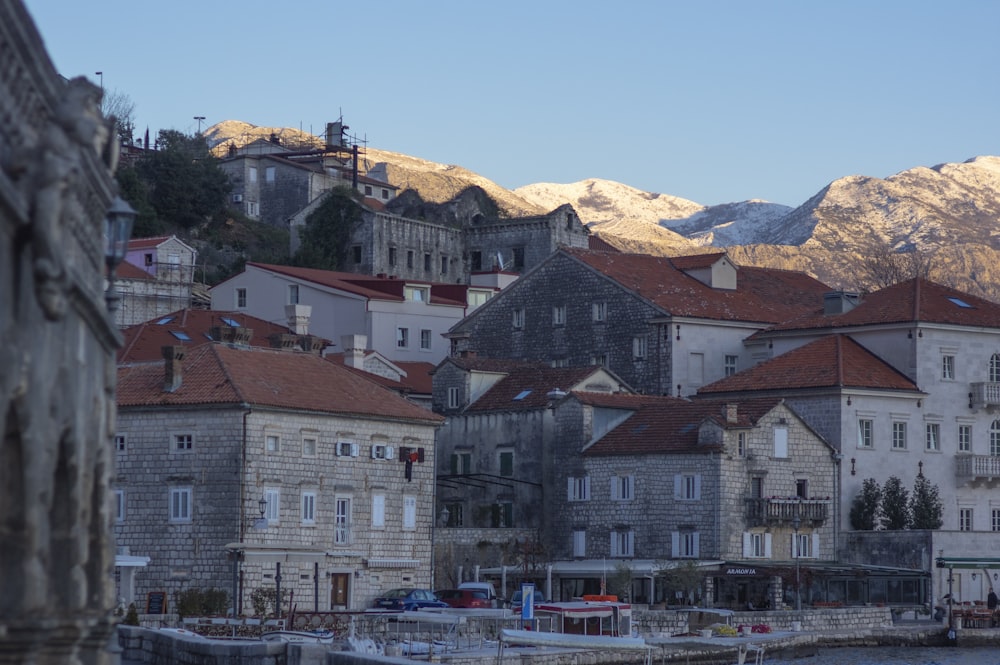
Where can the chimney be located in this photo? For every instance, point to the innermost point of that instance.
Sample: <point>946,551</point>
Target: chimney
<point>172,374</point>
<point>730,412</point>
<point>354,350</point>
<point>840,302</point>
<point>298,318</point>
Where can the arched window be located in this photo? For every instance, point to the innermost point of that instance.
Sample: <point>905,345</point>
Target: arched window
<point>995,438</point>
<point>995,368</point>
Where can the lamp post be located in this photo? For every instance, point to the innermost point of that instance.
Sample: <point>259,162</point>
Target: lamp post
<point>101,74</point>
<point>117,230</point>
<point>199,118</point>
<point>796,523</point>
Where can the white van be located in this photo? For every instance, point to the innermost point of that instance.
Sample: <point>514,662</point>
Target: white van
<point>491,592</point>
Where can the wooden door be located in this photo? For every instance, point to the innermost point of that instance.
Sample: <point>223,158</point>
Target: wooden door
<point>339,587</point>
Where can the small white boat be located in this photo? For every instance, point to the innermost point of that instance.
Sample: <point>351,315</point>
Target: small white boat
<point>310,636</point>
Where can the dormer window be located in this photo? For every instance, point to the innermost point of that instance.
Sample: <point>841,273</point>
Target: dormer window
<point>417,293</point>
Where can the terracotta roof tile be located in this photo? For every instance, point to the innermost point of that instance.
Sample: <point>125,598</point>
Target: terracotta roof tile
<point>418,379</point>
<point>835,361</point>
<point>223,375</point>
<point>763,295</point>
<point>147,243</point>
<point>599,244</point>
<point>474,363</point>
<point>696,260</point>
<point>527,388</point>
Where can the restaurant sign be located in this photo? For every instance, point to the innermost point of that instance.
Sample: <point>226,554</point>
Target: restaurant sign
<point>741,571</point>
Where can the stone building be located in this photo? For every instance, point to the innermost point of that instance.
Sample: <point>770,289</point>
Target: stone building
<point>243,468</point>
<point>57,383</point>
<point>156,279</point>
<point>666,326</point>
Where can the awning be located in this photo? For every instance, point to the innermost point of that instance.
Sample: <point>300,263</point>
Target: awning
<point>280,551</point>
<point>129,561</point>
<point>967,562</point>
<point>607,567</point>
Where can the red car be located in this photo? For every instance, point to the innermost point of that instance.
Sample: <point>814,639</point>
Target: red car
<point>465,598</point>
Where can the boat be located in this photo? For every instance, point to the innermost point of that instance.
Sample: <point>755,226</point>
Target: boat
<point>608,618</point>
<point>299,636</point>
<point>573,641</point>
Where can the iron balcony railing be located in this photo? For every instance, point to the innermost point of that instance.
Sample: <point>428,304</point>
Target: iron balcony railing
<point>977,467</point>
<point>783,511</point>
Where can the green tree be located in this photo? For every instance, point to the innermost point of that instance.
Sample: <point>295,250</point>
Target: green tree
<point>896,505</point>
<point>679,584</point>
<point>866,508</point>
<point>324,239</point>
<point>925,504</point>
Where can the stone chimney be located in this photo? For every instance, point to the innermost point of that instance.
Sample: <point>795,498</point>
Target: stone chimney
<point>172,374</point>
<point>298,318</point>
<point>239,336</point>
<point>730,411</point>
<point>354,350</point>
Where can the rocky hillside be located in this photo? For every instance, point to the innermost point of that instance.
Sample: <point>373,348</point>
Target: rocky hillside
<point>950,212</point>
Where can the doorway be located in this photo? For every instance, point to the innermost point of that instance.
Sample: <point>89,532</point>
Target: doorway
<point>339,588</point>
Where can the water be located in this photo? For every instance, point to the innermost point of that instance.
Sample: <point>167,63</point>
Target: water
<point>897,656</point>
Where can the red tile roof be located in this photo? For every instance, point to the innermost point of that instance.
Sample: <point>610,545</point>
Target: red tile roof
<point>664,425</point>
<point>144,341</point>
<point>914,301</point>
<point>835,361</point>
<point>217,374</point>
<point>763,295</point>
<point>599,244</point>
<point>126,270</point>
<point>418,379</point>
<point>474,363</point>
<point>695,261</point>
<point>147,243</point>
<point>527,388</point>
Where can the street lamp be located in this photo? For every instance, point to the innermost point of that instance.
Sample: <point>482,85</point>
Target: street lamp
<point>117,230</point>
<point>199,118</point>
<point>796,523</point>
<point>101,74</point>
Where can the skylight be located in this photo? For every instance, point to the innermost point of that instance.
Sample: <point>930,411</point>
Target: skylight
<point>183,336</point>
<point>961,303</point>
<point>521,395</point>
<point>165,320</point>
<point>232,323</point>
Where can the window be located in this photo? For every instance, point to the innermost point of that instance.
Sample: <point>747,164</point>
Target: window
<point>506,463</point>
<point>392,256</point>
<point>148,259</point>
<point>444,265</point>
<point>119,505</point>
<point>385,194</point>
<point>518,257</point>
<point>417,293</point>
<point>578,489</point>
<point>687,487</point>
<point>272,513</point>
<point>427,262</point>
<point>965,438</point>
<point>308,446</point>
<point>899,436</point>
<point>757,487</point>
<point>518,318</point>
<point>948,368</point>
<point>253,208</point>
<point>402,338</point>
<point>425,339</point>
<point>241,298</point>
<point>780,442</point>
<point>730,365</point>
<point>559,315</point>
<point>180,504</point>
<point>995,368</point>
<point>253,174</point>
<point>865,439</point>
<point>476,260</point>
<point>559,362</point>
<point>639,347</point>
<point>342,521</point>
<point>120,443</point>
<point>381,451</point>
<point>995,520</point>
<point>741,444</point>
<point>599,359</point>
<point>579,543</point>
<point>622,543</point>
<point>995,438</point>
<point>456,514</point>
<point>933,437</point>
<point>803,545</point>
<point>802,488</point>
<point>502,515</point>
<point>348,449</point>
<point>409,512</point>
<point>272,443</point>
<point>293,294</point>
<point>965,519</point>
<point>269,174</point>
<point>356,253</point>
<point>756,545</point>
<point>622,488</point>
<point>368,190</point>
<point>461,464</point>
<point>309,507</point>
<point>183,442</point>
<point>378,511</point>
<point>599,311</point>
<point>684,544</point>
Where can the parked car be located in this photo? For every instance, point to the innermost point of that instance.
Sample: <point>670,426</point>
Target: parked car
<point>408,599</point>
<point>486,587</point>
<point>467,598</point>
<point>515,599</point>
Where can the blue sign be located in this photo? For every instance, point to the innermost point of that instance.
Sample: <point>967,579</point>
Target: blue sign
<point>527,602</point>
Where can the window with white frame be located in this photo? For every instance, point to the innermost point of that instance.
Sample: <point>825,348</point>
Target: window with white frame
<point>995,520</point>
<point>623,543</point>
<point>965,438</point>
<point>995,438</point>
<point>802,488</point>
<point>965,519</point>
<point>640,347</point>
<point>730,363</point>
<point>252,171</point>
<point>402,338</point>
<point>425,339</point>
<point>272,511</point>
<point>309,508</point>
<point>309,445</point>
<point>180,504</point>
<point>599,359</point>
<point>933,437</point>
<point>579,543</point>
<point>348,449</point>
<point>995,368</point>
<point>409,512</point>
<point>578,489</point>
<point>461,463</point>
<point>805,545</point>
<point>948,368</point>
<point>559,315</point>
<point>382,451</point>
<point>241,298</point>
<point>293,294</point>
<point>756,545</point>
<point>417,293</point>
<point>622,488</point>
<point>599,311</point>
<point>183,442</point>
<point>741,444</point>
<point>899,435</point>
<point>780,442</point>
<point>121,443</point>
<point>865,433</point>
<point>378,511</point>
<point>518,318</point>
<point>272,443</point>
<point>684,544</point>
<point>342,521</point>
<point>452,398</point>
<point>119,505</point>
<point>687,486</point>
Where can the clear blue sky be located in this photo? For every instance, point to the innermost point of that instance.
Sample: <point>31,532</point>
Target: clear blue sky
<point>712,101</point>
